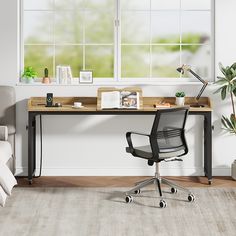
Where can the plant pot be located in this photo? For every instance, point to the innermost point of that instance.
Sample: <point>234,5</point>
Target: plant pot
<point>27,80</point>
<point>46,80</point>
<point>179,101</point>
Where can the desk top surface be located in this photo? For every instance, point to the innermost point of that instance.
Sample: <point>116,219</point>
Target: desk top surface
<point>37,104</point>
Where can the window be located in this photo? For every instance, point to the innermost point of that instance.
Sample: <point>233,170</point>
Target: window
<point>135,40</point>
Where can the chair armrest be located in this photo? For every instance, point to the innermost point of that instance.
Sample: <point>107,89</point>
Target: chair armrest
<point>3,133</point>
<point>129,140</point>
<point>137,133</point>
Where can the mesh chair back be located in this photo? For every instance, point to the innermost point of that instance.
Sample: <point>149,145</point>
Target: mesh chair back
<point>168,130</point>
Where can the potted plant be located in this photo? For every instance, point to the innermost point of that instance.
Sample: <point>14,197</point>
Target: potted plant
<point>228,86</point>
<point>28,74</point>
<point>46,79</point>
<point>179,100</point>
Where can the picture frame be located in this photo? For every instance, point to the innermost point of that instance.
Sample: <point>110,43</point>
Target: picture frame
<point>86,77</point>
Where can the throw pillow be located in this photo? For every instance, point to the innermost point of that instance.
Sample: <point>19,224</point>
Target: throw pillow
<point>5,151</point>
<point>3,197</point>
<point>7,179</point>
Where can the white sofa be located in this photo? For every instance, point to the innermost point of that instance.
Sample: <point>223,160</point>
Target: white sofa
<point>7,179</point>
<point>8,118</point>
<point>7,141</point>
<point>5,147</point>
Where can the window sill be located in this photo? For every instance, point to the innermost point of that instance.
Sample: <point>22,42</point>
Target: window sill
<point>115,83</point>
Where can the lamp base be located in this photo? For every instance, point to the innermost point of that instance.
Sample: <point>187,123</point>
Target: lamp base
<point>197,105</point>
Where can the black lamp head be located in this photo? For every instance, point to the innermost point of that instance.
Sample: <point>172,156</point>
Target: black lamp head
<point>183,68</point>
<point>180,70</point>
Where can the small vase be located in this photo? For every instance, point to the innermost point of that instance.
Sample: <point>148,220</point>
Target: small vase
<point>179,101</point>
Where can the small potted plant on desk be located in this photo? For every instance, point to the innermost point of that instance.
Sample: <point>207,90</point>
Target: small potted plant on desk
<point>179,98</point>
<point>28,75</point>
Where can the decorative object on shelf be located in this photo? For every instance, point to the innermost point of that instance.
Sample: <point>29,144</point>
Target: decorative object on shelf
<point>179,98</point>
<point>46,79</point>
<point>28,74</point>
<point>63,74</point>
<point>228,85</point>
<point>119,98</point>
<point>185,68</point>
<point>86,77</point>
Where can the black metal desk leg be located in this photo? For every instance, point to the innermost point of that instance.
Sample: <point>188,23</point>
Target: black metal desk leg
<point>208,146</point>
<point>31,146</point>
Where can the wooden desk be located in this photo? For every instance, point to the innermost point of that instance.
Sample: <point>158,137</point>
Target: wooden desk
<point>36,107</point>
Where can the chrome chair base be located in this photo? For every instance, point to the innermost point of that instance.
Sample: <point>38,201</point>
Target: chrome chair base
<point>157,181</point>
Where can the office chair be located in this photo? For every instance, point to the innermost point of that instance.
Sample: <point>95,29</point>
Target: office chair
<point>166,143</point>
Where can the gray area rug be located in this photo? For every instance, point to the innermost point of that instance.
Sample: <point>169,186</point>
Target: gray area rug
<point>103,211</point>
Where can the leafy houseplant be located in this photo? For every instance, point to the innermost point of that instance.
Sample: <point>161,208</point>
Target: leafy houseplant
<point>228,86</point>
<point>29,74</point>
<point>180,94</point>
<point>179,98</point>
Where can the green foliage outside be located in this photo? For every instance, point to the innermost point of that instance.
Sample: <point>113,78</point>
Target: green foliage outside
<point>189,38</point>
<point>98,29</point>
<point>39,57</point>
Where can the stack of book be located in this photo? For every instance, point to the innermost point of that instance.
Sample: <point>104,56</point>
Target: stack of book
<point>63,75</point>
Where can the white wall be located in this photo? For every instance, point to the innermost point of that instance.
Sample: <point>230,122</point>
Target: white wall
<point>94,145</point>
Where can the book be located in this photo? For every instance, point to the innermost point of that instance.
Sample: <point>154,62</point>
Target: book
<point>120,100</point>
<point>161,105</point>
<point>64,75</point>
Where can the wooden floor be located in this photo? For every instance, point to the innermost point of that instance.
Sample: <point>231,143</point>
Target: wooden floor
<point>120,181</point>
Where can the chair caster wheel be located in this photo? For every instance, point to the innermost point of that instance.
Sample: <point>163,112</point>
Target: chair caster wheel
<point>173,190</point>
<point>162,204</point>
<point>128,199</point>
<point>138,191</point>
<point>191,197</point>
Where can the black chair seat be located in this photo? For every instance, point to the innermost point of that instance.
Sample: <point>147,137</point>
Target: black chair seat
<point>146,152</point>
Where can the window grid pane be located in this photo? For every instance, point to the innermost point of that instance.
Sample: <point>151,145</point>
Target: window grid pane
<point>86,28</point>
<point>168,50</point>
<point>39,57</point>
<point>72,25</point>
<point>135,61</point>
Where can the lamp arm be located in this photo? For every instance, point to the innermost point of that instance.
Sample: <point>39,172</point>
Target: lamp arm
<point>197,76</point>
<point>201,91</point>
<point>205,83</point>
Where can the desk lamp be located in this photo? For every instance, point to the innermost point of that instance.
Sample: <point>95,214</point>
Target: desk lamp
<point>185,68</point>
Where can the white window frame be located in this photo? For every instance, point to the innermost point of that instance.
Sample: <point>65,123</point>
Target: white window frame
<point>117,80</point>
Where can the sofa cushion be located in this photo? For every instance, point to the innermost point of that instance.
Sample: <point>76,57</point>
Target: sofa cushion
<point>3,197</point>
<point>7,179</point>
<point>5,151</point>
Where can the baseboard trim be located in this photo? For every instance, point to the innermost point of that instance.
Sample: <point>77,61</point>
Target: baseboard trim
<point>57,171</point>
